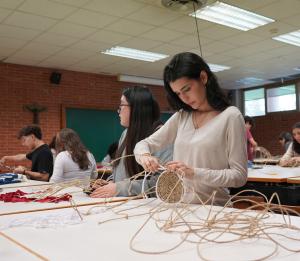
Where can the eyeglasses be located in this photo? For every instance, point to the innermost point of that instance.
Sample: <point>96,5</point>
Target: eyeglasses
<point>122,105</point>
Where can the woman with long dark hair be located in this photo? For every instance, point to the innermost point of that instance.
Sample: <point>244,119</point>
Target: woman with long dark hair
<point>292,155</point>
<point>140,114</point>
<point>73,160</point>
<point>285,139</point>
<point>208,135</point>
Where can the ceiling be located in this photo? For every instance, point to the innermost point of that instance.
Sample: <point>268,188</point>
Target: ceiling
<point>69,34</point>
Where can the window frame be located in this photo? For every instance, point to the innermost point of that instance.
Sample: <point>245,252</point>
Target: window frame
<point>251,89</point>
<point>296,92</point>
<point>273,86</point>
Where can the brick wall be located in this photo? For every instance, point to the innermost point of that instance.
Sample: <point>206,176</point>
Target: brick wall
<point>22,85</point>
<point>268,128</point>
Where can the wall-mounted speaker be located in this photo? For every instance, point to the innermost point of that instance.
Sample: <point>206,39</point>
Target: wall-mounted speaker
<point>55,77</point>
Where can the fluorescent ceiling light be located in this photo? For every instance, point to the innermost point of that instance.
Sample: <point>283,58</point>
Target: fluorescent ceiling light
<point>250,80</point>
<point>217,67</point>
<point>138,79</point>
<point>135,54</point>
<point>231,16</point>
<point>290,38</point>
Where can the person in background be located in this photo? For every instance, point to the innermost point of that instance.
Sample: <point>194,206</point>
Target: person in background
<point>52,145</point>
<point>292,155</point>
<point>73,161</point>
<point>251,143</point>
<point>111,153</point>
<point>285,139</point>
<point>140,114</point>
<point>39,154</point>
<point>208,134</point>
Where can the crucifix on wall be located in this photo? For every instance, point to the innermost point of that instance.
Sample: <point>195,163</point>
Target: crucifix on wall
<point>35,109</point>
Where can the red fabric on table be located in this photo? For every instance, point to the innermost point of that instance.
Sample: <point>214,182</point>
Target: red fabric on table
<point>20,196</point>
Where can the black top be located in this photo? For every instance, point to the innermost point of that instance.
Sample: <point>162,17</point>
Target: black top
<point>42,160</point>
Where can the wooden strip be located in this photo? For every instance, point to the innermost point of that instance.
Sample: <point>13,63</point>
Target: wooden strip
<point>293,180</point>
<point>266,179</point>
<point>24,247</point>
<point>266,161</point>
<point>68,206</point>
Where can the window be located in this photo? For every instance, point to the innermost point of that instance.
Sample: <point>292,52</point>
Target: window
<point>254,102</point>
<point>281,98</point>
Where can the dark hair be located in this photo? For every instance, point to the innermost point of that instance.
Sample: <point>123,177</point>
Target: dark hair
<point>286,136</point>
<point>296,145</point>
<point>190,65</point>
<point>52,143</point>
<point>69,140</point>
<point>31,129</point>
<point>144,119</point>
<point>249,120</point>
<point>112,149</point>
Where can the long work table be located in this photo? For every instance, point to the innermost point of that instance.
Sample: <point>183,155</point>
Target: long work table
<point>270,173</point>
<point>143,230</point>
<point>270,179</point>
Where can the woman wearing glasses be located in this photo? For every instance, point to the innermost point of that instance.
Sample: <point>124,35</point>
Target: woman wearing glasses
<point>208,135</point>
<point>140,114</point>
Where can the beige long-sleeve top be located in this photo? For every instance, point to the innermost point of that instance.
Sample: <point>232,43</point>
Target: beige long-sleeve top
<point>290,153</point>
<point>216,151</point>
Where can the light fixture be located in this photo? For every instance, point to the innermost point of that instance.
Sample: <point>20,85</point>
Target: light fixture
<point>139,79</point>
<point>217,67</point>
<point>231,16</point>
<point>134,54</point>
<point>250,80</point>
<point>184,6</point>
<point>290,38</point>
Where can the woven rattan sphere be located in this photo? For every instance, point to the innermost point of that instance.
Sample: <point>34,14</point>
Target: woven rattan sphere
<point>169,187</point>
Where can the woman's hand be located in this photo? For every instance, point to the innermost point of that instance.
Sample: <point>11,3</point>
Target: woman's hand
<point>297,159</point>
<point>293,162</point>
<point>99,183</point>
<point>106,191</point>
<point>149,163</point>
<point>3,160</point>
<point>181,168</point>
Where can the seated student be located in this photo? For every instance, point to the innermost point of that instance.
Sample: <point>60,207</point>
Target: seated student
<point>140,114</point>
<point>73,160</point>
<point>251,143</point>
<point>292,155</point>
<point>39,154</point>
<point>208,134</point>
<point>285,139</point>
<point>111,153</point>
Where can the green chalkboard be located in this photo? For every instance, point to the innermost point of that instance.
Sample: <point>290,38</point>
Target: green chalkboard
<point>97,128</point>
<point>165,116</point>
